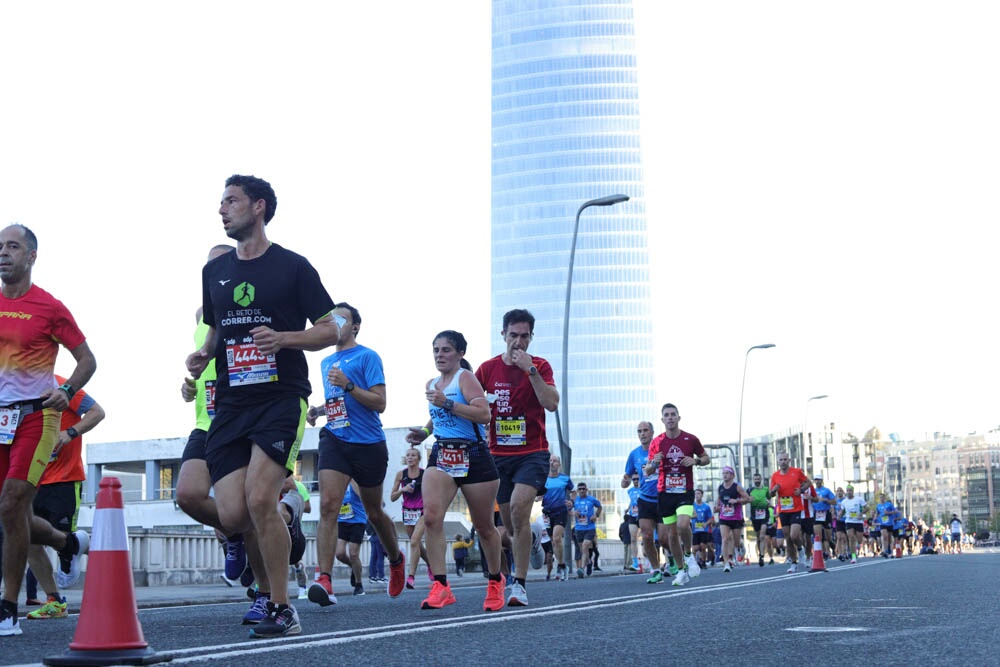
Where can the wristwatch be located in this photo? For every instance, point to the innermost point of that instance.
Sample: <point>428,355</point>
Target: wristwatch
<point>349,387</point>
<point>532,371</point>
<point>72,433</point>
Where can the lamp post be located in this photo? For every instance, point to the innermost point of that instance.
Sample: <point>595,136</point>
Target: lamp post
<point>746,358</point>
<point>805,429</point>
<point>562,414</point>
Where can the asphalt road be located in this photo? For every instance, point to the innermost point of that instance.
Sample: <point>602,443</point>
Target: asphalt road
<point>925,610</point>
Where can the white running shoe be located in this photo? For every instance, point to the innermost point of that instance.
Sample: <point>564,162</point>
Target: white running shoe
<point>793,568</point>
<point>518,596</point>
<point>693,568</point>
<point>681,578</point>
<point>727,568</point>
<point>68,571</point>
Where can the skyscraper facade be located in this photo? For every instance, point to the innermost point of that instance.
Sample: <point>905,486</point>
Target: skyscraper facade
<point>565,130</point>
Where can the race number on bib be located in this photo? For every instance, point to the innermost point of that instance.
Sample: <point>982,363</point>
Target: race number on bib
<point>453,460</point>
<point>248,366</point>
<point>336,412</point>
<point>346,512</point>
<point>511,432</point>
<point>410,517</point>
<point>787,503</point>
<point>9,418</point>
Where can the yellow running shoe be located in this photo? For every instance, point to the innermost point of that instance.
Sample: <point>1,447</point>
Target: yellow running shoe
<point>54,608</point>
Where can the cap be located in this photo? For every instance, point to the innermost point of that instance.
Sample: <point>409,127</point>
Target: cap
<point>728,469</point>
<point>817,476</point>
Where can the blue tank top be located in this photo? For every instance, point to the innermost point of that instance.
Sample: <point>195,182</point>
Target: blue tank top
<point>447,424</point>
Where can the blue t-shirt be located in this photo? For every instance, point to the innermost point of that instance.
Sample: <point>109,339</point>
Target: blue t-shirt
<point>885,513</point>
<point>554,499</point>
<point>352,510</point>
<point>585,508</point>
<point>346,418</point>
<point>634,464</point>
<point>702,513</point>
<point>899,522</point>
<point>633,506</point>
<point>825,495</point>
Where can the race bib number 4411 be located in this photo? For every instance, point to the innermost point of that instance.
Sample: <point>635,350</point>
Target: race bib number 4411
<point>248,366</point>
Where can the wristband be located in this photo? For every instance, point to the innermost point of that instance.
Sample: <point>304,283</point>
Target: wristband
<point>68,388</point>
<point>426,431</point>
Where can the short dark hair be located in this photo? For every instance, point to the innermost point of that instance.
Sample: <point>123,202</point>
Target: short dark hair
<point>669,405</point>
<point>256,189</point>
<point>457,341</point>
<point>355,315</point>
<point>518,315</point>
<point>30,239</point>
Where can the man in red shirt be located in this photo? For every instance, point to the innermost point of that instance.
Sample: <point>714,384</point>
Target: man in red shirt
<point>58,497</point>
<point>788,485</point>
<point>674,453</point>
<point>33,324</point>
<point>520,388</point>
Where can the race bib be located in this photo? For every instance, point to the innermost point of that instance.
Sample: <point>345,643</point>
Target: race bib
<point>410,517</point>
<point>886,521</point>
<point>787,503</point>
<point>511,432</point>
<point>9,419</point>
<point>699,525</point>
<point>760,515</point>
<point>675,483</point>
<point>210,397</point>
<point>346,511</point>
<point>727,511</point>
<point>852,515</point>
<point>248,366</point>
<point>336,412</point>
<point>453,460</point>
<point>821,515</point>
<point>582,521</point>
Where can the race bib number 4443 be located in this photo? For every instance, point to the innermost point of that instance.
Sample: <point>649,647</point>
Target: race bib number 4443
<point>248,366</point>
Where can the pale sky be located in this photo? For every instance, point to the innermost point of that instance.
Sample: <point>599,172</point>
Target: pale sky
<point>818,176</point>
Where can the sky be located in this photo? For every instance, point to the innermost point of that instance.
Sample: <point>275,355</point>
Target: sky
<point>818,176</point>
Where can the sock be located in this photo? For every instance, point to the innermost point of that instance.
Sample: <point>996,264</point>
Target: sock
<point>441,579</point>
<point>520,581</point>
<point>494,577</point>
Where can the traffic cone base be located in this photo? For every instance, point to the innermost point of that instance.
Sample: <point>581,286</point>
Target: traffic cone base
<point>108,631</point>
<point>818,564</point>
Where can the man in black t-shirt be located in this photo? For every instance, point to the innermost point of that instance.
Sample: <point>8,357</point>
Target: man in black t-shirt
<point>256,302</point>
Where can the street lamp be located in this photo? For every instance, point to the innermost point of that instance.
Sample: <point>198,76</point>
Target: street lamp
<point>746,358</point>
<point>562,420</point>
<point>805,429</point>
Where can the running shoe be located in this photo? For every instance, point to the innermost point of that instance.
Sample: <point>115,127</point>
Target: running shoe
<point>440,596</point>
<point>760,561</point>
<point>359,590</point>
<point>727,568</point>
<point>682,578</point>
<point>579,573</point>
<point>854,559</point>
<point>597,567</point>
<point>321,592</point>
<point>397,577</point>
<point>494,595</point>
<point>236,557</point>
<point>565,573</point>
<point>770,561</point>
<point>8,623</point>
<point>409,582</point>
<point>692,568</point>
<point>281,620</point>
<point>672,570</point>
<point>793,568</point>
<point>590,569</point>
<point>518,596</point>
<point>77,544</point>
<point>257,611</point>
<point>300,576</point>
<point>54,608</point>
<point>656,578</point>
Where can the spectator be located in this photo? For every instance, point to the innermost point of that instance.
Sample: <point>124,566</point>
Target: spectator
<point>460,551</point>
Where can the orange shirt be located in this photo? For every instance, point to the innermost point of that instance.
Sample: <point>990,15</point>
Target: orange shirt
<point>789,485</point>
<point>68,466</point>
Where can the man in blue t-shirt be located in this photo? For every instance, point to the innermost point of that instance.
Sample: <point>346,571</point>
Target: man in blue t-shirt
<point>586,511</point>
<point>885,513</point>
<point>701,530</point>
<point>823,514</point>
<point>352,447</point>
<point>555,508</point>
<point>649,517</point>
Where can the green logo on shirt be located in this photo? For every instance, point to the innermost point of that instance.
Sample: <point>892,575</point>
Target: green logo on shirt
<point>243,294</point>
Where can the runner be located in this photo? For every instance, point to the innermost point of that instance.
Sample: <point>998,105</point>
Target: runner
<point>352,447</point>
<point>729,502</point>
<point>520,388</point>
<point>408,486</point>
<point>886,513</point>
<point>350,534</point>
<point>555,505</point>
<point>35,325</point>
<point>673,454</point>
<point>586,510</point>
<point>840,527</point>
<point>759,515</point>
<point>822,519</point>
<point>852,511</point>
<point>257,303</point>
<point>460,460</point>
<point>788,485</point>
<point>956,534</point>
<point>650,522</point>
<point>701,533</point>
<point>632,526</point>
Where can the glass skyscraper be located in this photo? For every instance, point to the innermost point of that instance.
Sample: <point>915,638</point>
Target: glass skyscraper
<point>566,130</point>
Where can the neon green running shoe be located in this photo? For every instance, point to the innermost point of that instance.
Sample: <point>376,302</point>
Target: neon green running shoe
<point>656,578</point>
<point>52,609</point>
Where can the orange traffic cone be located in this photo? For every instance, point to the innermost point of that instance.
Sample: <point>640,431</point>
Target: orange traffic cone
<point>819,565</point>
<point>899,550</point>
<point>108,632</point>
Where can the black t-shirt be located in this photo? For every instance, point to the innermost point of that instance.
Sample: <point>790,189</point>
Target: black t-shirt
<point>280,290</point>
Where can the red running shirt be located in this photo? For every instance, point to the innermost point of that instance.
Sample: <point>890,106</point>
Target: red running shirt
<point>517,424</point>
<point>674,477</point>
<point>789,484</point>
